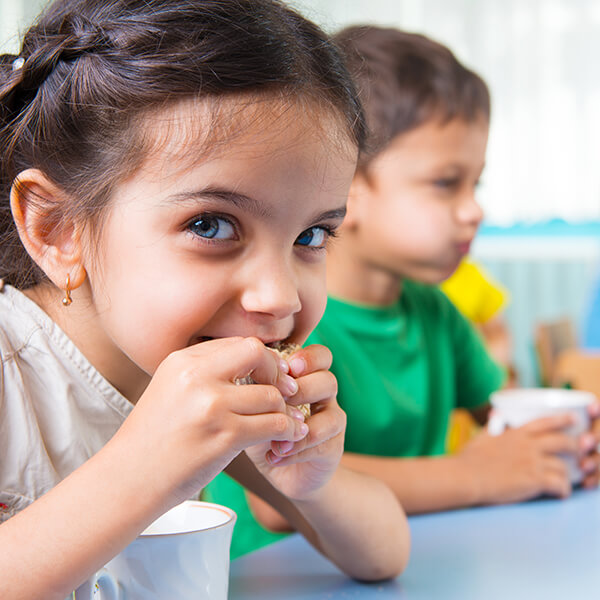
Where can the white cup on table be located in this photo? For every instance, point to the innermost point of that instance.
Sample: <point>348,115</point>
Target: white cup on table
<point>516,407</point>
<point>183,555</point>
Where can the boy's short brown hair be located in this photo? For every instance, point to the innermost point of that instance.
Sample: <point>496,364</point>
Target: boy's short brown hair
<point>404,79</point>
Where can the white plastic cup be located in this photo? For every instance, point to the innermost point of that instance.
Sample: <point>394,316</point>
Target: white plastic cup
<point>516,407</point>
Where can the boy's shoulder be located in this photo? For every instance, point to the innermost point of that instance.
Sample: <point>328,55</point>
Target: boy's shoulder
<point>418,300</point>
<point>427,299</point>
<point>435,312</point>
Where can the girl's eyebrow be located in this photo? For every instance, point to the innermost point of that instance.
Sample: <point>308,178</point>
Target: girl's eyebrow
<point>245,202</point>
<point>236,198</point>
<point>336,213</point>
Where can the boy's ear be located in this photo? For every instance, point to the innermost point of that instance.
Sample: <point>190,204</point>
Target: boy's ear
<point>37,207</point>
<point>358,199</point>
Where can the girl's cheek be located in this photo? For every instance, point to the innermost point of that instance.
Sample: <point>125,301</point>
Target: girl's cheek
<point>313,308</point>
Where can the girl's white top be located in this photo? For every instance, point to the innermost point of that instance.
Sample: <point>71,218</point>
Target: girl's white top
<point>56,410</point>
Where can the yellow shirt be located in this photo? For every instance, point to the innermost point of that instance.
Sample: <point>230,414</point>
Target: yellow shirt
<point>476,295</point>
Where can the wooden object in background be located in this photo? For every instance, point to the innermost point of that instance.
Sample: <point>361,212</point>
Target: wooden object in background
<point>551,339</point>
<point>578,369</point>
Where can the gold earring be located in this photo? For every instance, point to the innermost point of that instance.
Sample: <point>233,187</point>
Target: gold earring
<point>67,299</point>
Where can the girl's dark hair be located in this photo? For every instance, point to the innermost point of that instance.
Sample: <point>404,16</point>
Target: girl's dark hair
<point>88,69</point>
<point>405,79</point>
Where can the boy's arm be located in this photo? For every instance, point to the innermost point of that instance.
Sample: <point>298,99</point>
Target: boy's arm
<point>366,534</point>
<point>518,465</point>
<point>422,484</point>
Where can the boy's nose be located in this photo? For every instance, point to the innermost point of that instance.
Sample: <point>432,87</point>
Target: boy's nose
<point>468,210</point>
<point>271,290</point>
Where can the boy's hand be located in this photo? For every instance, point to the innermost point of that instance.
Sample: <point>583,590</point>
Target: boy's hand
<point>300,468</point>
<point>522,463</point>
<point>588,448</point>
<point>192,420</point>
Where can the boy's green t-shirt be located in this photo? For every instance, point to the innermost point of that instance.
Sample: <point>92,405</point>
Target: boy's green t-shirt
<point>248,533</point>
<point>401,370</point>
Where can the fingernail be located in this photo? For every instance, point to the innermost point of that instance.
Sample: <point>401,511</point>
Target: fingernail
<point>273,459</point>
<point>290,385</point>
<point>303,429</point>
<point>285,447</point>
<point>296,414</point>
<point>283,366</point>
<point>589,465</point>
<point>297,366</point>
<point>589,442</point>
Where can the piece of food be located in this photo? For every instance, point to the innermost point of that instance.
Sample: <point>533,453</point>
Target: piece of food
<point>284,350</point>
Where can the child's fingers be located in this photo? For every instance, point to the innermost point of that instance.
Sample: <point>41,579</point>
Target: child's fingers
<point>310,359</point>
<point>301,452</point>
<point>264,366</point>
<point>234,358</point>
<point>555,481</point>
<point>281,427</point>
<point>257,399</point>
<point>594,410</point>
<point>591,481</point>
<point>314,387</point>
<point>588,442</point>
<point>256,360</point>
<point>201,349</point>
<point>555,443</point>
<point>595,430</point>
<point>546,424</point>
<point>326,425</point>
<point>590,464</point>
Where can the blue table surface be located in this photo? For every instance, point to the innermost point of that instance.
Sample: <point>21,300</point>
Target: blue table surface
<point>543,549</point>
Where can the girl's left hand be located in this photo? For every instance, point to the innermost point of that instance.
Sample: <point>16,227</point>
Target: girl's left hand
<point>298,469</point>
<point>590,457</point>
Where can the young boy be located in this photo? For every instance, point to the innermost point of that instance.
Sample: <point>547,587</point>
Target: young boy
<point>403,355</point>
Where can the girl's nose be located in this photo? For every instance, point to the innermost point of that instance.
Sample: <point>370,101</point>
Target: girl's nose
<point>271,290</point>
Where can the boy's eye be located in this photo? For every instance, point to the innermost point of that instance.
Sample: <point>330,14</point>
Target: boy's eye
<point>212,228</point>
<point>315,237</point>
<point>445,183</point>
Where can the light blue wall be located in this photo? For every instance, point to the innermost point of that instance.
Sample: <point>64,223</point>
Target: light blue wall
<point>551,271</point>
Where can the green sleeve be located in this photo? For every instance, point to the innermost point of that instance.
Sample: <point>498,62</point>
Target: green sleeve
<point>248,533</point>
<point>477,374</point>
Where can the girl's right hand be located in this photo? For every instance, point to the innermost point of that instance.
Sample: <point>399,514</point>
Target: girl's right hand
<point>193,420</point>
<point>521,463</point>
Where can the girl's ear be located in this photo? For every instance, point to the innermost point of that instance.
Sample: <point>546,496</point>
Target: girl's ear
<point>358,201</point>
<point>37,207</point>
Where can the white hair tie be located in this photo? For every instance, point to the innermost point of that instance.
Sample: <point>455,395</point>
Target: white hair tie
<point>18,63</point>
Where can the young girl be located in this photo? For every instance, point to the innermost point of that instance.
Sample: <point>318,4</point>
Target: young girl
<point>171,172</point>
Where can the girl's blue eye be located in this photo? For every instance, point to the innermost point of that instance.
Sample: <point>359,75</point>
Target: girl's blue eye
<point>212,228</point>
<point>315,237</point>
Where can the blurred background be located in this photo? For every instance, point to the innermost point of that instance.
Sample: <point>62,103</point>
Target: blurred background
<point>541,187</point>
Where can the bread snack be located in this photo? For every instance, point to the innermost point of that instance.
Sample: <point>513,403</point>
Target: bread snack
<point>284,350</point>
